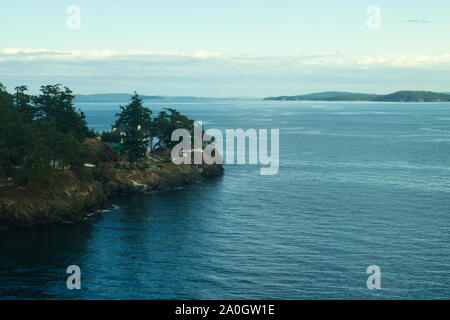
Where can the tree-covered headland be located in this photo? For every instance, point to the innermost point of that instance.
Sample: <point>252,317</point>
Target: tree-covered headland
<point>138,132</point>
<point>44,138</point>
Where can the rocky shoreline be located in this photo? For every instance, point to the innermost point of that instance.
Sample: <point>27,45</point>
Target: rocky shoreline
<point>77,200</point>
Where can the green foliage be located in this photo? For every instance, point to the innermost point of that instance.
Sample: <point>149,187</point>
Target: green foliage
<point>55,104</point>
<point>134,115</point>
<point>136,130</point>
<point>135,145</point>
<point>40,135</point>
<point>134,122</point>
<point>108,136</point>
<point>168,121</point>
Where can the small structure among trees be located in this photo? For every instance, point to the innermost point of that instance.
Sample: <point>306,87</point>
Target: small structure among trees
<point>43,136</point>
<point>110,152</point>
<point>137,132</point>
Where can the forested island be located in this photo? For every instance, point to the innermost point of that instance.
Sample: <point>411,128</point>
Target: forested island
<point>54,168</point>
<point>399,96</point>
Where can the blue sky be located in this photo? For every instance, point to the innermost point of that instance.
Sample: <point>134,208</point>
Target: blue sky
<point>226,48</point>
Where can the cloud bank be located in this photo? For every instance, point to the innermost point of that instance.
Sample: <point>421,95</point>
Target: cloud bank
<point>216,74</point>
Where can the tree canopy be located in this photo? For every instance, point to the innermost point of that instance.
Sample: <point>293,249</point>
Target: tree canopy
<point>39,134</point>
<point>138,132</point>
<point>42,135</point>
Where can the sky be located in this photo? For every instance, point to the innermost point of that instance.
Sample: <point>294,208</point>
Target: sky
<point>230,48</point>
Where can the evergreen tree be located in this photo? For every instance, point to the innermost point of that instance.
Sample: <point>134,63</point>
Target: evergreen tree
<point>23,102</point>
<point>39,134</point>
<point>135,123</point>
<point>56,104</point>
<point>168,121</point>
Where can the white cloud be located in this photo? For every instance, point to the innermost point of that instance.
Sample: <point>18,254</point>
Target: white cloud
<point>217,74</point>
<point>17,54</point>
<point>320,59</point>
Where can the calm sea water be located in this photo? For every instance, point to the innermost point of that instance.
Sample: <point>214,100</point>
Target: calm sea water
<point>359,184</point>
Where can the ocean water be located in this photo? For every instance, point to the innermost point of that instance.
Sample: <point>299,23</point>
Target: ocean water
<point>359,184</point>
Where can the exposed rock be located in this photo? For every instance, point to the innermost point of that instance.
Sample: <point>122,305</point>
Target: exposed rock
<point>76,203</point>
<point>44,210</point>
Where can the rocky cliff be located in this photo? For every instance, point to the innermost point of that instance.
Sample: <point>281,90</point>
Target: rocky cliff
<point>76,200</point>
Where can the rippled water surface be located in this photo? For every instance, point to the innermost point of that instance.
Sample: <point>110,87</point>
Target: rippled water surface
<point>359,184</point>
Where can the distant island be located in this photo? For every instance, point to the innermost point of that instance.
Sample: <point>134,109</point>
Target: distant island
<point>122,97</point>
<point>399,96</point>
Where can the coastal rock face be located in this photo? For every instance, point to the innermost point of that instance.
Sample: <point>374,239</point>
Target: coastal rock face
<point>122,182</point>
<point>74,202</point>
<point>64,206</point>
